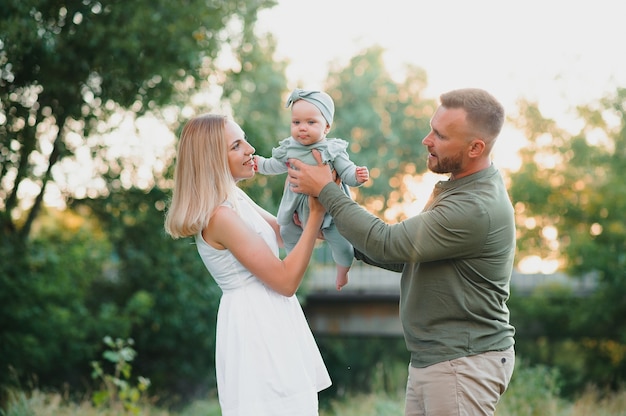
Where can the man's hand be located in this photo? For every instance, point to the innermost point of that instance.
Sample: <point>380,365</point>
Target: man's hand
<point>309,179</point>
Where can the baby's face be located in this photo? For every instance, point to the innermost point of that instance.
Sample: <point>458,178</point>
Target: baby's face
<point>308,126</point>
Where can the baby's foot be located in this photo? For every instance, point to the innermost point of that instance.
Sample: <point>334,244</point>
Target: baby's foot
<point>342,277</point>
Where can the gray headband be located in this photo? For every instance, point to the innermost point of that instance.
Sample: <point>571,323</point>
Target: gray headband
<point>319,99</point>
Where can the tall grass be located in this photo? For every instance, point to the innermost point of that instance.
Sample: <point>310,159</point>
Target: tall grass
<point>533,392</point>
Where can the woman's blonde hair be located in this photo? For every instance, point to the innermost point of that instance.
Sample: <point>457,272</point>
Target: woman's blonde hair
<point>202,179</point>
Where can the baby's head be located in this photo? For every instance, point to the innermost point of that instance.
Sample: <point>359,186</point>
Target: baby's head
<point>319,99</point>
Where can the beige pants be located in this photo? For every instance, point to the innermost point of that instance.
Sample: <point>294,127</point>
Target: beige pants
<point>466,386</point>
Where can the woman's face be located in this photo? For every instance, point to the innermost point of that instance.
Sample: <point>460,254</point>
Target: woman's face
<point>240,160</point>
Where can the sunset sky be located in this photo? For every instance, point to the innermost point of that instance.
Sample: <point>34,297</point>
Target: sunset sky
<point>558,53</point>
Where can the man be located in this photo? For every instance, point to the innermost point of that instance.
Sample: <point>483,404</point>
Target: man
<point>456,259</point>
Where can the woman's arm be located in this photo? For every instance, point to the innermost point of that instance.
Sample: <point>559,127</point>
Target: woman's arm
<point>227,230</point>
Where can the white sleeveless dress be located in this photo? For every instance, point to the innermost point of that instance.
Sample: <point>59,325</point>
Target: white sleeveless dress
<point>267,361</point>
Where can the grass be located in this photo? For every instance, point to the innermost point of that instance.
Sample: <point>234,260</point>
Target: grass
<point>533,392</point>
<point>591,403</point>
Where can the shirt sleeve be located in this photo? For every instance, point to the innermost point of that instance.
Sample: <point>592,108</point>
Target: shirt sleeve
<point>337,153</point>
<point>346,170</point>
<point>275,165</point>
<point>451,230</point>
<point>270,166</point>
<point>394,267</point>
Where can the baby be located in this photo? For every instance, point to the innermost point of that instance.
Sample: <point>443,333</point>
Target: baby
<point>312,115</point>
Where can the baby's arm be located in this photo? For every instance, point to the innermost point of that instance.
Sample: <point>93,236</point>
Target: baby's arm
<point>349,172</point>
<point>362,174</point>
<point>269,166</point>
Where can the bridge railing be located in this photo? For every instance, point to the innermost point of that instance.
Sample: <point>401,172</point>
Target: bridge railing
<point>369,280</point>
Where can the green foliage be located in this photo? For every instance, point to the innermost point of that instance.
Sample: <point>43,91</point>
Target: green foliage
<point>363,364</point>
<point>374,404</point>
<point>384,122</point>
<point>74,287</point>
<point>163,291</point>
<point>65,68</point>
<point>572,187</point>
<point>118,392</point>
<point>255,92</point>
<point>553,330</point>
<point>48,330</point>
<point>563,183</point>
<point>68,65</point>
<point>533,391</point>
<point>202,408</point>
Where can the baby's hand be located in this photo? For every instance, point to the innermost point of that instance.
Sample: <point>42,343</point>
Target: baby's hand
<point>362,174</point>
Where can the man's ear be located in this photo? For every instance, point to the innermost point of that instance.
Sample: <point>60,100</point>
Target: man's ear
<point>477,147</point>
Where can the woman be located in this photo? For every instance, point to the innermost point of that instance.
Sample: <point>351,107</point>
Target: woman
<point>267,362</point>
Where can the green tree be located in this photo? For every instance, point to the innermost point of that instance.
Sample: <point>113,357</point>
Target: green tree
<point>256,93</point>
<point>384,122</point>
<point>160,288</point>
<point>570,200</point>
<point>50,322</point>
<point>65,66</point>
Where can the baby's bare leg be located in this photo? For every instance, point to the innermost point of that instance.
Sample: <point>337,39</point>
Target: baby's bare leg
<point>342,276</point>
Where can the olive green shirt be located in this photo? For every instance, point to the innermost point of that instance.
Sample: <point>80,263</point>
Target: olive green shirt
<point>456,258</point>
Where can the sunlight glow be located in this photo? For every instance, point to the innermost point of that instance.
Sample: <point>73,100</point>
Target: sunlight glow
<point>599,137</point>
<point>143,146</point>
<point>417,191</point>
<point>530,223</point>
<point>596,229</point>
<point>549,232</point>
<point>535,264</point>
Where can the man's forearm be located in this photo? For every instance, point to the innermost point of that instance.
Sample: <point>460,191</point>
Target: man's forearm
<point>382,243</point>
<point>351,220</point>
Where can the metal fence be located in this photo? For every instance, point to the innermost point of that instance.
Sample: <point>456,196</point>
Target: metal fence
<point>369,279</point>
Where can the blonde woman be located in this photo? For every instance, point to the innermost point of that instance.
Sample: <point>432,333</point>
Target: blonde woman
<point>267,361</point>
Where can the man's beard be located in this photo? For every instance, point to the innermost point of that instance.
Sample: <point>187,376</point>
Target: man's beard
<point>447,164</point>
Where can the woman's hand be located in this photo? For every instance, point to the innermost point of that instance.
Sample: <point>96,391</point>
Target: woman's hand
<point>316,209</point>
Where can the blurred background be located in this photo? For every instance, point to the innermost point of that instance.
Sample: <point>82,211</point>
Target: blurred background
<point>92,98</point>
